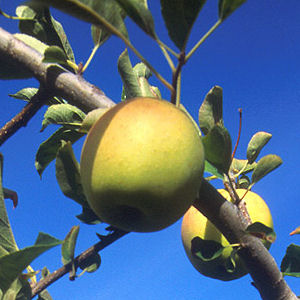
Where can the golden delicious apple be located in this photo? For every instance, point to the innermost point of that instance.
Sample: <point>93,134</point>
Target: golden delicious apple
<point>195,224</point>
<point>142,165</point>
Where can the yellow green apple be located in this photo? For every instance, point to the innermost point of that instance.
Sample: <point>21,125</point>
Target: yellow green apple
<point>195,225</point>
<point>142,165</point>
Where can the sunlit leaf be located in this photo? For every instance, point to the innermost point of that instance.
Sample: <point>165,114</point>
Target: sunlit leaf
<point>257,142</point>
<point>218,148</point>
<point>68,174</point>
<point>264,166</point>
<point>242,165</point>
<point>103,13</point>
<point>7,240</point>
<point>91,118</point>
<point>12,264</point>
<point>63,114</point>
<point>48,149</point>
<point>19,290</point>
<point>68,245</point>
<point>140,14</point>
<point>54,54</point>
<point>290,264</point>
<point>209,168</point>
<point>227,7</point>
<point>211,110</point>
<point>179,17</point>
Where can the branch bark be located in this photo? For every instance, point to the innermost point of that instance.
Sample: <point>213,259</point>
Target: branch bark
<point>263,269</point>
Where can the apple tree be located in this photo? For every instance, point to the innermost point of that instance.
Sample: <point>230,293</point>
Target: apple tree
<point>241,233</point>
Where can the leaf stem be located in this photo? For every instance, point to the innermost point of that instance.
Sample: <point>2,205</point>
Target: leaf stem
<point>96,47</point>
<point>201,41</point>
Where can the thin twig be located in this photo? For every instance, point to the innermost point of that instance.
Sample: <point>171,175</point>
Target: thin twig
<point>80,259</point>
<point>239,135</point>
<point>181,62</point>
<point>23,117</point>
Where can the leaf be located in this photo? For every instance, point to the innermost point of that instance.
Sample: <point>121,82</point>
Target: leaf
<point>103,13</point>
<point>91,118</point>
<point>68,245</point>
<point>44,295</point>
<point>27,93</point>
<point>140,14</point>
<point>54,54</point>
<point>257,142</point>
<point>12,264</point>
<point>218,148</point>
<point>7,240</point>
<point>244,182</point>
<point>19,289</point>
<point>68,174</point>
<point>290,264</point>
<point>242,165</point>
<point>211,110</point>
<point>63,114</point>
<point>43,26</point>
<point>32,42</point>
<point>295,231</point>
<point>88,216</point>
<point>262,231</point>
<point>264,166</point>
<point>48,149</point>
<point>91,264</point>
<point>128,76</point>
<point>206,250</point>
<point>209,168</point>
<point>227,7</point>
<point>179,17</point>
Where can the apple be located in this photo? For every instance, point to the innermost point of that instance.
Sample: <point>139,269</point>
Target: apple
<point>142,165</point>
<point>195,225</point>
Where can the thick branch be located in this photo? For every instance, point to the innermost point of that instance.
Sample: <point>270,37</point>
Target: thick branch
<point>263,269</point>
<point>262,266</point>
<point>63,83</point>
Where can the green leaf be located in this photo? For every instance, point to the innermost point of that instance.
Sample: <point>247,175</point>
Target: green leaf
<point>68,174</point>
<point>264,166</point>
<point>27,93</point>
<point>91,118</point>
<point>128,76</point>
<point>140,14</point>
<point>43,26</point>
<point>55,54</point>
<point>257,142</point>
<point>209,168</point>
<point>227,7</point>
<point>48,149</point>
<point>103,13</point>
<point>7,240</point>
<point>32,42</point>
<point>211,110</point>
<point>179,17</point>
<point>68,245</point>
<point>19,289</point>
<point>206,250</point>
<point>12,264</point>
<point>63,114</point>
<point>242,165</point>
<point>262,231</point>
<point>44,295</point>
<point>218,148</point>
<point>244,182</point>
<point>290,264</point>
<point>91,264</point>
<point>88,216</point>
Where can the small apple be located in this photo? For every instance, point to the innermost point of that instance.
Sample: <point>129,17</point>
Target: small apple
<point>195,225</point>
<point>142,165</point>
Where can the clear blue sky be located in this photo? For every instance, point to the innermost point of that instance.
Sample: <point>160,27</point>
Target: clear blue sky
<point>254,56</point>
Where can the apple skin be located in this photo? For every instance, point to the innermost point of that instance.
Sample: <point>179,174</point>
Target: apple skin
<point>195,224</point>
<point>142,165</point>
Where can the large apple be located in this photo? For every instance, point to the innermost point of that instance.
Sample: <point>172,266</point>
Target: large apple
<point>142,165</point>
<point>228,265</point>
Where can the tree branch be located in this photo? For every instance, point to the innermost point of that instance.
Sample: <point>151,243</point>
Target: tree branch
<point>263,269</point>
<point>80,259</point>
<point>62,83</point>
<point>261,265</point>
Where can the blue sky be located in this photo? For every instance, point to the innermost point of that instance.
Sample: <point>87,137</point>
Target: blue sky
<point>254,56</point>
